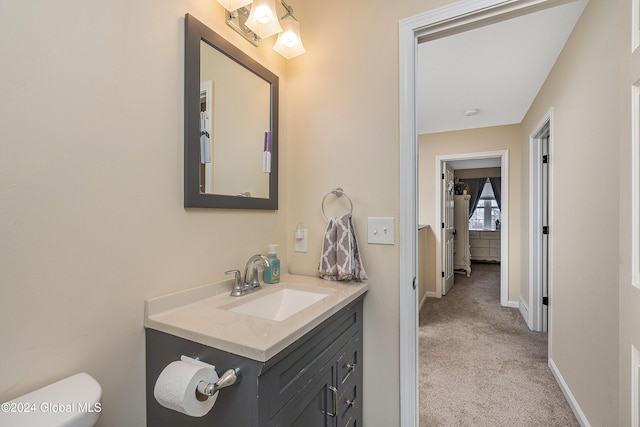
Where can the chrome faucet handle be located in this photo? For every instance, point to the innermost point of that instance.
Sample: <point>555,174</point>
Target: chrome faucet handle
<point>237,282</point>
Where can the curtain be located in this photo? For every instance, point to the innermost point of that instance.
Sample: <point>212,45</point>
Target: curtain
<point>496,186</point>
<point>475,190</point>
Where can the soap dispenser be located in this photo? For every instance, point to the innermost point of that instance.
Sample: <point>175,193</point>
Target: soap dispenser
<point>272,273</point>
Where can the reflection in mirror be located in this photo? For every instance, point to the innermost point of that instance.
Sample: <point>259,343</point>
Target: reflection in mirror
<point>235,113</point>
<point>231,132</point>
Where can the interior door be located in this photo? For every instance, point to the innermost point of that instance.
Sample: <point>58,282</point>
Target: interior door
<point>447,228</point>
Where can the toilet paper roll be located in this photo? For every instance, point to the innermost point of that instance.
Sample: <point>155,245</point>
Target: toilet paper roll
<point>176,386</point>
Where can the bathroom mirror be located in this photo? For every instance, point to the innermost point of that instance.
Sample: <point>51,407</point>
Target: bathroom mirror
<point>231,125</point>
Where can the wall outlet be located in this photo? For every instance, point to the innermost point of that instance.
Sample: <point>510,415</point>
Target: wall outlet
<point>301,244</point>
<point>381,230</point>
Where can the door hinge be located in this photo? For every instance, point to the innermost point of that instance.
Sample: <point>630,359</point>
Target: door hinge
<point>442,176</point>
<point>443,274</point>
<point>545,300</point>
<point>545,158</point>
<point>443,225</point>
<point>414,283</point>
<point>545,229</point>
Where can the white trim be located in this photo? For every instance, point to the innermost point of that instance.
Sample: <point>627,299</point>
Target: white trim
<point>635,186</point>
<point>504,216</point>
<point>635,387</point>
<point>524,311</point>
<point>535,223</point>
<point>573,403</point>
<point>424,299</point>
<point>512,304</point>
<point>535,239</point>
<point>453,15</point>
<point>409,389</point>
<point>431,294</point>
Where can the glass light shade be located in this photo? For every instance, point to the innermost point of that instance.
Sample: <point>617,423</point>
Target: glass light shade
<point>232,5</point>
<point>289,43</point>
<point>263,19</point>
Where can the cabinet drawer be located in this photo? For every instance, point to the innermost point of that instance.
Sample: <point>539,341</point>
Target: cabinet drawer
<point>349,362</point>
<point>349,403</point>
<point>490,235</point>
<point>480,243</point>
<point>494,252</point>
<point>284,380</point>
<point>353,422</point>
<point>349,376</point>
<point>494,244</point>
<point>474,234</point>
<point>479,252</point>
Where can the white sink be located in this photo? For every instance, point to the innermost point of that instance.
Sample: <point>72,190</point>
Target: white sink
<point>280,304</point>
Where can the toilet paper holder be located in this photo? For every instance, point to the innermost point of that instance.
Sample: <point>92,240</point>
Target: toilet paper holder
<point>229,377</point>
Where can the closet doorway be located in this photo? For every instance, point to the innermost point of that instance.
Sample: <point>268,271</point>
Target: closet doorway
<point>444,257</point>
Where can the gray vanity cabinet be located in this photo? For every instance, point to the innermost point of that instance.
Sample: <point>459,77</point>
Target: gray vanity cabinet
<point>316,381</point>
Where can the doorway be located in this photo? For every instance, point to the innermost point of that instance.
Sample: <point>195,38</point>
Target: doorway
<point>443,250</point>
<point>540,228</point>
<point>458,16</point>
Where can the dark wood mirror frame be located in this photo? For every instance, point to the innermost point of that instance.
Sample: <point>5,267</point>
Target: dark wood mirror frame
<point>195,32</point>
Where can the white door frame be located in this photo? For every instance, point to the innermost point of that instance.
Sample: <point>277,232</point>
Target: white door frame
<point>462,14</point>
<point>535,315</point>
<point>504,215</point>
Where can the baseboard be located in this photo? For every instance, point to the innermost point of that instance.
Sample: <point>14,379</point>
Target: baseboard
<point>431,295</point>
<point>577,411</point>
<point>423,300</point>
<point>513,304</point>
<point>524,312</point>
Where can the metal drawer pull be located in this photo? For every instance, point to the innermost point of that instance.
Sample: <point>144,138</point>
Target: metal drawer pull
<point>350,403</point>
<point>351,369</point>
<point>335,401</point>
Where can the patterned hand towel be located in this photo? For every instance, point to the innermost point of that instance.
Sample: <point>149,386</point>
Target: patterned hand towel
<point>340,258</point>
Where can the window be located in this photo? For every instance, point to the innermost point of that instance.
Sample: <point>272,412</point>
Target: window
<point>487,211</point>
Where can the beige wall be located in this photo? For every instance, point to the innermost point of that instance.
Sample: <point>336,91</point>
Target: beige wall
<point>91,165</point>
<point>472,141</point>
<point>92,220</point>
<point>342,123</point>
<point>583,90</point>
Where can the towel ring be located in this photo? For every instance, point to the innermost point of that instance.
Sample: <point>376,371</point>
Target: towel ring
<point>338,192</point>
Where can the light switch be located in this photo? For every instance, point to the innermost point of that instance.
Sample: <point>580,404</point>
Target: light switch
<point>381,230</point>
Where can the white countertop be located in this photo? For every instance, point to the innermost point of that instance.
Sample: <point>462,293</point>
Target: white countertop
<point>201,315</point>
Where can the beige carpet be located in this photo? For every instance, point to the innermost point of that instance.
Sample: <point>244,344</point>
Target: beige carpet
<point>480,365</point>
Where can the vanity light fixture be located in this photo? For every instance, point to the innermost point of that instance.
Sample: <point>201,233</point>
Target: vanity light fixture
<point>260,21</point>
<point>289,43</point>
<point>263,19</point>
<point>234,4</point>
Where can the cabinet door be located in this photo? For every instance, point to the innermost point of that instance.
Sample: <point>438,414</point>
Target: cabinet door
<point>313,405</point>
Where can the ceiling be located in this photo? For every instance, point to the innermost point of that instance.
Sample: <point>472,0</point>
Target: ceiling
<point>497,69</point>
<point>493,162</point>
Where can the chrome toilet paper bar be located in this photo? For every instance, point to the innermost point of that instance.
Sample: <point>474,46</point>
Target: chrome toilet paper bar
<point>229,377</point>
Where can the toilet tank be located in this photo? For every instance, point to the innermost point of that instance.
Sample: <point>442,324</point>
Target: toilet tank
<point>71,402</point>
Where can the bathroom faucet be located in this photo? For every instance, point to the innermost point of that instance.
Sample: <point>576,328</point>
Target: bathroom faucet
<point>243,287</point>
